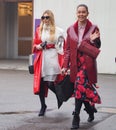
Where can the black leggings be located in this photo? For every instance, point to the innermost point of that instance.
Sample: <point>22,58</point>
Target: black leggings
<point>42,90</point>
<point>42,93</point>
<point>78,105</point>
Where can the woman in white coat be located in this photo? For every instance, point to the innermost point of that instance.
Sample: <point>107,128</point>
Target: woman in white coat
<point>48,46</point>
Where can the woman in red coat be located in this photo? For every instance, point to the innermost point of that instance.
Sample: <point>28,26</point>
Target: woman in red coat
<point>48,47</point>
<point>83,71</point>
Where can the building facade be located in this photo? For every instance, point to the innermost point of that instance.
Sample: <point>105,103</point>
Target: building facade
<point>16,24</point>
<point>18,20</point>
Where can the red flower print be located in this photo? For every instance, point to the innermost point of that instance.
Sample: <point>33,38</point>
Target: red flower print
<point>78,95</point>
<point>81,88</point>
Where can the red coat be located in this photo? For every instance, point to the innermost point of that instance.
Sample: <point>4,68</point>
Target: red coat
<point>38,64</point>
<point>70,55</point>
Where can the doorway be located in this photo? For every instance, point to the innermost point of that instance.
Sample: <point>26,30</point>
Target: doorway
<point>16,26</point>
<point>25,26</point>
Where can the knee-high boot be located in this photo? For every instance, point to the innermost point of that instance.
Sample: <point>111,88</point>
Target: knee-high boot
<point>76,113</point>
<point>43,105</point>
<point>52,88</point>
<point>42,100</point>
<point>90,111</point>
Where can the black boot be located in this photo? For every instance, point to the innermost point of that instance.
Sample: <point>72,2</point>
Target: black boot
<point>88,108</point>
<point>75,121</point>
<point>76,118</point>
<point>91,117</point>
<point>52,88</point>
<point>42,110</point>
<point>43,105</point>
<point>94,109</point>
<point>42,100</point>
<point>91,114</point>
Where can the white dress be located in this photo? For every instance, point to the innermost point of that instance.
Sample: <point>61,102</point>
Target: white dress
<point>50,64</point>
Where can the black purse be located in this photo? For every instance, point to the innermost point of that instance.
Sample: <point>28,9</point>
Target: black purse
<point>31,63</point>
<point>64,89</point>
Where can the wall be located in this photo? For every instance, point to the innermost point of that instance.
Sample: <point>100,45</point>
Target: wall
<point>11,28</point>
<point>8,30</point>
<point>2,31</point>
<point>102,13</point>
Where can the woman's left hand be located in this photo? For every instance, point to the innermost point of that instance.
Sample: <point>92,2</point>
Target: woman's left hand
<point>95,35</point>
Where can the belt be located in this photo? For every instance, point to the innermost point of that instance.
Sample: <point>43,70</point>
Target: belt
<point>49,46</point>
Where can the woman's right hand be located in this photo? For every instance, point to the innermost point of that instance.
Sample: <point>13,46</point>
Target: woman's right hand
<point>39,47</point>
<point>63,71</point>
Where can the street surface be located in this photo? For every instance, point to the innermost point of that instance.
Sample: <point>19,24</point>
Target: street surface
<point>19,107</point>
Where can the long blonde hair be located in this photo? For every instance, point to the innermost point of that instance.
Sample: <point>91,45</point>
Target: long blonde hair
<point>51,24</point>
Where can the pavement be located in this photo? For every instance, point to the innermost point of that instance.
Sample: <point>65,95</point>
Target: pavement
<point>24,116</point>
<point>18,64</point>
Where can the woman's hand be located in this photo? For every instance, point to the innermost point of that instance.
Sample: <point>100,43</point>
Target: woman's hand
<point>65,71</point>
<point>39,47</point>
<point>95,35</point>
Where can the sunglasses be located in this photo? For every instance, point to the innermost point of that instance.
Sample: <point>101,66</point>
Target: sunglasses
<point>45,17</point>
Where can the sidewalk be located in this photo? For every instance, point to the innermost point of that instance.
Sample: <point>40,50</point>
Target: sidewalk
<point>105,119</point>
<point>18,64</point>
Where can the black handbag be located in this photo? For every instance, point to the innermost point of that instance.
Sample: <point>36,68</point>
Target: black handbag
<point>64,89</point>
<point>31,63</point>
<point>31,69</point>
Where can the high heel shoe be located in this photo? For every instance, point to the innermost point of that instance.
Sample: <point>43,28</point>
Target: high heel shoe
<point>42,111</point>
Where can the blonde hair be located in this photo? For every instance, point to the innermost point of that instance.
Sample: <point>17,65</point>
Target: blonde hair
<point>51,24</point>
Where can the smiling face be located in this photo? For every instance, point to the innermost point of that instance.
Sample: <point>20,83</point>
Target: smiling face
<point>82,13</point>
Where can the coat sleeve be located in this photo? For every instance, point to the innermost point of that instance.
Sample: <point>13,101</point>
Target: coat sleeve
<point>67,52</point>
<point>37,40</point>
